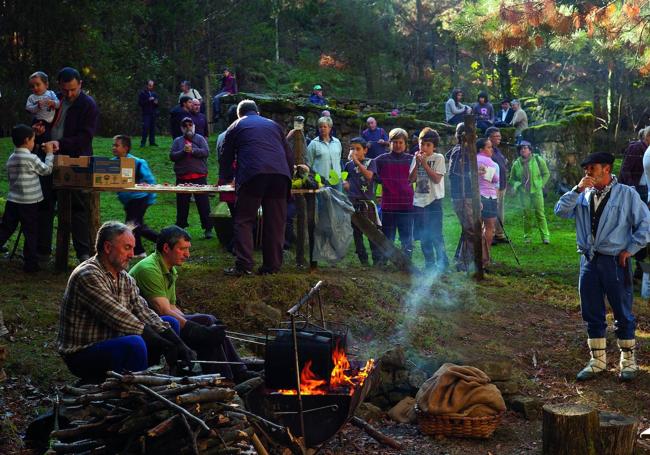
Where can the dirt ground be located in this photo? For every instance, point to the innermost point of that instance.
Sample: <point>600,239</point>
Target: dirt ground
<point>531,321</point>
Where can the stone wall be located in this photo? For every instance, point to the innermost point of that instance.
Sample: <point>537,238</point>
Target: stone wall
<point>560,130</point>
<point>564,144</point>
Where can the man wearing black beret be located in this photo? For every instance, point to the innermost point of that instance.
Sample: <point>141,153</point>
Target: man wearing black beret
<point>612,224</point>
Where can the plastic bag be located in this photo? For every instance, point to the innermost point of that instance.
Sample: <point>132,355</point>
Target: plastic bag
<point>333,230</point>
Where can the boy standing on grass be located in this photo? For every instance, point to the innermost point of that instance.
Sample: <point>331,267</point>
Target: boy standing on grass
<point>136,204</point>
<point>428,171</point>
<point>23,169</point>
<point>397,191</point>
<point>360,186</point>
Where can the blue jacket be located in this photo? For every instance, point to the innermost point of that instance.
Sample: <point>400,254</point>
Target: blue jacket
<point>315,99</point>
<point>624,224</point>
<point>258,146</point>
<point>143,174</point>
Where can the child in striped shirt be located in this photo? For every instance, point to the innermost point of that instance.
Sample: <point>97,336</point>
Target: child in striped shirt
<point>23,169</point>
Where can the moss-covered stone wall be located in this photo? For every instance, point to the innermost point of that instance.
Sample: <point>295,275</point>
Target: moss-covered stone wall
<point>562,131</point>
<point>564,143</point>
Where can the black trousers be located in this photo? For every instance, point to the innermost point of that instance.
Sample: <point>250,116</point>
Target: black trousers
<point>148,129</point>
<point>367,209</point>
<point>135,210</point>
<point>202,204</point>
<point>27,216</point>
<point>225,352</point>
<point>80,203</point>
<point>270,191</point>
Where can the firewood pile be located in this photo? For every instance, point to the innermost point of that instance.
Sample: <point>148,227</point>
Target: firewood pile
<point>153,413</point>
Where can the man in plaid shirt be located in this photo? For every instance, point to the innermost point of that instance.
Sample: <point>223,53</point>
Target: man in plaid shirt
<point>104,322</point>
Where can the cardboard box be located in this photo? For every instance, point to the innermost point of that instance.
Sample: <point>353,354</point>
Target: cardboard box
<point>93,172</point>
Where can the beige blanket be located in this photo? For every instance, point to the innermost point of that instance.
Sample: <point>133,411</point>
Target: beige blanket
<point>460,391</point>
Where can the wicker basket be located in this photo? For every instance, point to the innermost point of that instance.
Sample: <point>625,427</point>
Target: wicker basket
<point>457,427</point>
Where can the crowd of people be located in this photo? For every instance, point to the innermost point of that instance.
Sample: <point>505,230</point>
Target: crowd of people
<point>114,319</point>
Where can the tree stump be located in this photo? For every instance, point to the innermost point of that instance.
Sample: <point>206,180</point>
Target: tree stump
<point>569,429</point>
<point>617,433</point>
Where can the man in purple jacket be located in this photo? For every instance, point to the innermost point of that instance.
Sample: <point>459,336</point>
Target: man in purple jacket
<point>263,177</point>
<point>73,130</point>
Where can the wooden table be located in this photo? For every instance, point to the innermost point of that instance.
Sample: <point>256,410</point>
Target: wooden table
<point>305,212</point>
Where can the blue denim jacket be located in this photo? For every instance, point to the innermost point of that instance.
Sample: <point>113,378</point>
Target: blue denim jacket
<point>624,224</point>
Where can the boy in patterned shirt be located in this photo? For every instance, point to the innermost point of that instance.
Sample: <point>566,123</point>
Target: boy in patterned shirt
<point>23,169</point>
<point>360,186</point>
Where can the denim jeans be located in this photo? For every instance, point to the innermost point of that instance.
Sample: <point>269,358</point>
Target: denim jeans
<point>126,353</point>
<point>600,277</point>
<point>428,222</point>
<point>402,222</point>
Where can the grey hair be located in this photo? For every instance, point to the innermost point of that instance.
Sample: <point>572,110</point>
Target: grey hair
<point>644,133</point>
<point>325,120</point>
<point>245,106</point>
<point>515,102</point>
<point>108,232</point>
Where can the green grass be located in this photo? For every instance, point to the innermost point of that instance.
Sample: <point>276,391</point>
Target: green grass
<point>558,260</point>
<point>367,295</point>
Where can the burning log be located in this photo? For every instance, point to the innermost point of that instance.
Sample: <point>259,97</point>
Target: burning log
<point>150,413</point>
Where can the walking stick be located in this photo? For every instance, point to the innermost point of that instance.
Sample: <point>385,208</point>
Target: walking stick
<point>505,234</point>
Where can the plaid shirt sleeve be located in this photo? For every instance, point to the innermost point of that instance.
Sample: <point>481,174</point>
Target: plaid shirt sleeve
<point>97,308</point>
<point>95,293</point>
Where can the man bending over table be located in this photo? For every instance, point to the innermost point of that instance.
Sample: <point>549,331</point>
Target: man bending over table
<point>156,277</point>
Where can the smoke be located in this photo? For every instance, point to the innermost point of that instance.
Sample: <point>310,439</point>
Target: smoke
<point>432,292</point>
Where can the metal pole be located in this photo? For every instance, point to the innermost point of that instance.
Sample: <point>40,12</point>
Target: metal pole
<point>297,361</point>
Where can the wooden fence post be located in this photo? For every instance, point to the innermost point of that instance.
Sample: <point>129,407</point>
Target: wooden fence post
<point>470,137</point>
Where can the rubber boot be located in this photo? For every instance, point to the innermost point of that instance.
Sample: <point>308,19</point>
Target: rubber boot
<point>597,363</point>
<point>627,364</point>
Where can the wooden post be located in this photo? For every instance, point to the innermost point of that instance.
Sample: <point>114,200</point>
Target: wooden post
<point>93,219</point>
<point>617,434</point>
<point>387,247</point>
<point>64,223</point>
<point>569,429</point>
<point>470,136</point>
<point>301,206</point>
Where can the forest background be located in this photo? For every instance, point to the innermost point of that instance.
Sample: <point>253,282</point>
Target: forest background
<point>398,51</point>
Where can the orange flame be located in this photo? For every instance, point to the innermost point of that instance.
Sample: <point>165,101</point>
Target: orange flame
<point>341,377</point>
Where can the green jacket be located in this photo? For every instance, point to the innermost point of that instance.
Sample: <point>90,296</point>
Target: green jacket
<point>539,174</point>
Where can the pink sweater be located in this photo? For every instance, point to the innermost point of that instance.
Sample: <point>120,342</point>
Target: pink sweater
<point>488,189</point>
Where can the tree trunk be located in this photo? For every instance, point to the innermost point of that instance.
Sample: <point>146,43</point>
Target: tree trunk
<point>617,434</point>
<point>569,429</point>
<point>505,82</point>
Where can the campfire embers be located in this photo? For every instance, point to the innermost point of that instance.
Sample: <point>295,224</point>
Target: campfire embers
<point>311,386</point>
<point>325,408</point>
<point>343,379</point>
